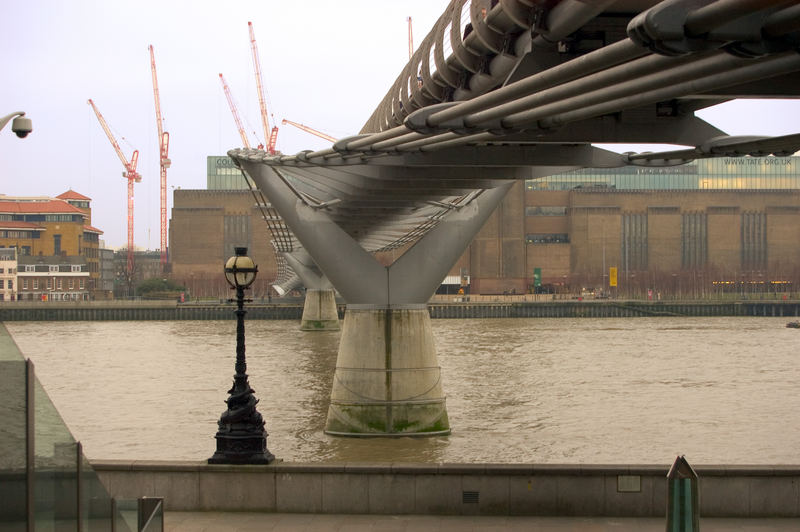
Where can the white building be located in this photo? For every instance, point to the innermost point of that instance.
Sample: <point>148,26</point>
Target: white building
<point>8,274</point>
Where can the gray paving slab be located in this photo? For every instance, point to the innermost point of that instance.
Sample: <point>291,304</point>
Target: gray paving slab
<point>251,522</point>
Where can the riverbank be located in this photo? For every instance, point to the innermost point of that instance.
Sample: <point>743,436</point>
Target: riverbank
<point>458,307</point>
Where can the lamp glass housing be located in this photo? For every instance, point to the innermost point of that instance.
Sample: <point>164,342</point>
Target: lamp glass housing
<point>240,270</point>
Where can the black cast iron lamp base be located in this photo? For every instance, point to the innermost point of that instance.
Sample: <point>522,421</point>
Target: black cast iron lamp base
<point>241,437</point>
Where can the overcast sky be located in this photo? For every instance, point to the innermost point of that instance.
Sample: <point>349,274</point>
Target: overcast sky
<point>324,64</point>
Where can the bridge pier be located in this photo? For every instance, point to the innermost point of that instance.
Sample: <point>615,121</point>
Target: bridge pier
<point>387,380</point>
<point>319,311</point>
<point>319,308</point>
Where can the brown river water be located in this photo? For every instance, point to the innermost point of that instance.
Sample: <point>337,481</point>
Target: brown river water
<point>611,391</point>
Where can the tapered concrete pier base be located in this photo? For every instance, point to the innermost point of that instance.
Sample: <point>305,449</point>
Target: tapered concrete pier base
<point>387,380</point>
<point>319,311</point>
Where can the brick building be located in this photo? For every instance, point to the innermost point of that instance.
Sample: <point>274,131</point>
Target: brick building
<point>204,228</point>
<point>52,278</point>
<point>687,230</point>
<point>52,227</point>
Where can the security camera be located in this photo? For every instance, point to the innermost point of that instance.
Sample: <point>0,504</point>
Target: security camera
<point>22,126</point>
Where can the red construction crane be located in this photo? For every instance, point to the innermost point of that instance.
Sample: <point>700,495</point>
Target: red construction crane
<point>410,40</point>
<point>129,173</point>
<point>270,135</point>
<point>163,159</point>
<point>309,130</point>
<point>234,112</point>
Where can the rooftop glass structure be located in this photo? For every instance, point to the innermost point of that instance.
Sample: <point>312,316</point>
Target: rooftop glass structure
<point>221,174</point>
<point>724,173</point>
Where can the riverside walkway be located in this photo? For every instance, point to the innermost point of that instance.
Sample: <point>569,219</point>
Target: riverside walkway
<point>251,522</point>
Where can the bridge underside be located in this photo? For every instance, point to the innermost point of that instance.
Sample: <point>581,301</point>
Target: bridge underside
<point>520,93</point>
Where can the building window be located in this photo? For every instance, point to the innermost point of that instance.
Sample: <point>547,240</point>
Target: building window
<point>49,283</point>
<point>24,284</point>
<point>544,210</point>
<point>53,268</point>
<point>694,240</point>
<point>56,244</point>
<point>26,250</point>
<point>754,240</point>
<point>59,284</point>
<point>634,242</point>
<point>72,284</point>
<point>30,268</point>
<point>60,218</point>
<point>3,284</point>
<point>75,268</point>
<point>547,238</point>
<point>11,284</point>
<point>36,284</point>
<point>81,284</point>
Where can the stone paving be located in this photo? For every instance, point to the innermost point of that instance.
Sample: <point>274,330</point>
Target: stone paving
<point>252,522</point>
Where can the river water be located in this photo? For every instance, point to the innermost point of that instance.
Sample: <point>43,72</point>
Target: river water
<point>612,391</point>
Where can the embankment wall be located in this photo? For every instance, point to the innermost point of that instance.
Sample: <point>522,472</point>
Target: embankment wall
<point>168,310</point>
<point>452,489</point>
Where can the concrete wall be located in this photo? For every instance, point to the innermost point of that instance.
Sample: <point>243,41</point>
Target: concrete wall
<point>452,489</point>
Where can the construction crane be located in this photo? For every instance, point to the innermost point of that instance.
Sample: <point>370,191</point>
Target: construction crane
<point>270,135</point>
<point>234,111</point>
<point>410,40</point>
<point>163,159</point>
<point>129,173</point>
<point>309,130</point>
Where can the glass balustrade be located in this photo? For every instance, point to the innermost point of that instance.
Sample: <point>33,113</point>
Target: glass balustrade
<point>45,480</point>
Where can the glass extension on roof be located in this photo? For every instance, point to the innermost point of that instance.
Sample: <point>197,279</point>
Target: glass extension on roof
<point>222,174</point>
<point>724,173</point>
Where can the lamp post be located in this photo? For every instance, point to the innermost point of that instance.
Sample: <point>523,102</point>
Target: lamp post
<point>241,438</point>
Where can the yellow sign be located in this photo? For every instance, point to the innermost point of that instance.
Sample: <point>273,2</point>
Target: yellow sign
<point>612,276</point>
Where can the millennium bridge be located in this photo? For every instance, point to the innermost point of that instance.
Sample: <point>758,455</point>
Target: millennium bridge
<point>500,90</point>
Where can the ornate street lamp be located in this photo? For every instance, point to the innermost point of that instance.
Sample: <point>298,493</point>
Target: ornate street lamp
<point>241,438</point>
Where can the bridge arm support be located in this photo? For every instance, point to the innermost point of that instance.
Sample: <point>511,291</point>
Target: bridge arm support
<point>414,277</point>
<point>352,270</point>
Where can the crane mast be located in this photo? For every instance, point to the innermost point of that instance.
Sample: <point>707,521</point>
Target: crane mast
<point>163,159</point>
<point>234,112</point>
<point>129,173</point>
<point>270,135</point>
<point>309,130</point>
<point>410,40</point>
